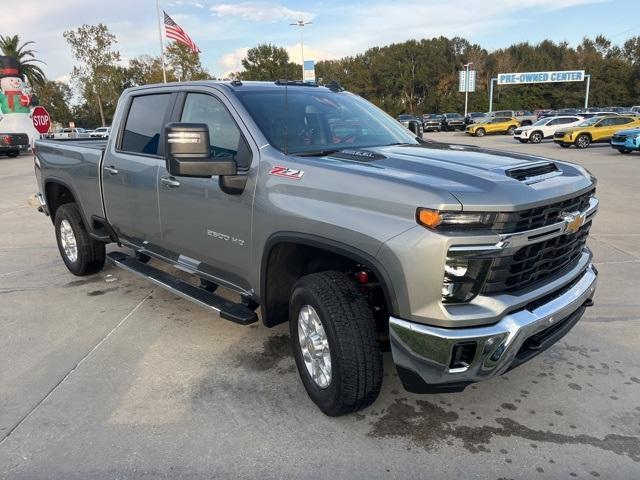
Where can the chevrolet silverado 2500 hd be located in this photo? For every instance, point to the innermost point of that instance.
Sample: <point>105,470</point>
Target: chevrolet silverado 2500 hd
<point>317,208</point>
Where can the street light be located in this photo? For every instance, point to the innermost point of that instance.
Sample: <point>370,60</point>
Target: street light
<point>466,86</point>
<point>301,23</point>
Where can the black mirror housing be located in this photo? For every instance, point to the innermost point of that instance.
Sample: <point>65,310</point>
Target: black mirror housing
<point>414,126</point>
<point>188,153</point>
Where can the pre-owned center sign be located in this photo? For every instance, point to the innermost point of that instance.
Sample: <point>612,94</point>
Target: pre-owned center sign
<point>541,77</point>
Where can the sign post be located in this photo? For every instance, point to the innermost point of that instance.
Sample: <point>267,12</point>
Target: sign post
<point>553,76</point>
<point>41,119</point>
<point>467,83</point>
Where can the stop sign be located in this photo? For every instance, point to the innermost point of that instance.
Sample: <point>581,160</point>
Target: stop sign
<point>41,119</point>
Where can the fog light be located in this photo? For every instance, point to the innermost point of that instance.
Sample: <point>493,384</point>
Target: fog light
<point>456,267</point>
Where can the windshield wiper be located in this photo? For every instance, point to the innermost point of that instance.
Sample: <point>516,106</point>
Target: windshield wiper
<point>316,153</point>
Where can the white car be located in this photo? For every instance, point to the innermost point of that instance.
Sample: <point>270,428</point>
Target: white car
<point>545,128</point>
<point>101,132</point>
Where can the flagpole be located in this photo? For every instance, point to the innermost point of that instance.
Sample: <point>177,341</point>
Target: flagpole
<point>164,68</point>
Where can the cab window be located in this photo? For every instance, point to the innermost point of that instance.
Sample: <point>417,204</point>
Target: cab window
<point>224,134</point>
<point>144,124</point>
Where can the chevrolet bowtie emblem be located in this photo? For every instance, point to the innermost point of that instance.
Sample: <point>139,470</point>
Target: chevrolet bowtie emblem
<point>574,220</point>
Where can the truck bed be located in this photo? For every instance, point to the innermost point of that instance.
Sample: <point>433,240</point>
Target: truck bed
<point>75,163</point>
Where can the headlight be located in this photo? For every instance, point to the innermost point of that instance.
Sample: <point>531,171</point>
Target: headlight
<point>463,278</point>
<point>437,220</point>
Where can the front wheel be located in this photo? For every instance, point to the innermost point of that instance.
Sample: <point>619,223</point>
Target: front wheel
<point>480,132</point>
<point>335,343</point>
<point>81,254</point>
<point>564,145</point>
<point>511,130</point>
<point>583,141</point>
<point>13,154</point>
<point>536,137</point>
<point>624,150</point>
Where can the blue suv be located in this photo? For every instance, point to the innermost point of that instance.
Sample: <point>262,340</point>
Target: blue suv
<point>626,141</point>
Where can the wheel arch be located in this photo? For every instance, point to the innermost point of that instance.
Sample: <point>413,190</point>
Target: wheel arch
<point>56,193</point>
<point>289,255</point>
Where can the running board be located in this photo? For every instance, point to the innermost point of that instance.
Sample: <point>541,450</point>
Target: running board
<point>228,310</point>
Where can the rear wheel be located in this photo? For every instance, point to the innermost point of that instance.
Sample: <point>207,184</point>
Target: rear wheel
<point>81,254</point>
<point>13,154</point>
<point>480,132</point>
<point>335,343</point>
<point>583,141</point>
<point>511,130</point>
<point>536,137</point>
<point>624,150</point>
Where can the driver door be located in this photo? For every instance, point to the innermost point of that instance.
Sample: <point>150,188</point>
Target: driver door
<point>205,228</point>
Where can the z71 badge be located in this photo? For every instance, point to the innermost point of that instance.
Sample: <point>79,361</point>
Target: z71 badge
<point>286,172</point>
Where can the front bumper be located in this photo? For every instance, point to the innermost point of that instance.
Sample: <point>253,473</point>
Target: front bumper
<point>428,358</point>
<point>628,144</point>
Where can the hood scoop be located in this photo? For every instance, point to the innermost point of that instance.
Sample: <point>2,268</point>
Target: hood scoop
<point>358,155</point>
<point>533,173</point>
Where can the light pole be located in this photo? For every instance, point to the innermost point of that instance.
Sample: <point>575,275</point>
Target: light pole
<point>301,23</point>
<point>466,86</point>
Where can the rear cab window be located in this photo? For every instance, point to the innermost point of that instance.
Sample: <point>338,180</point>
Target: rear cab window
<point>144,124</point>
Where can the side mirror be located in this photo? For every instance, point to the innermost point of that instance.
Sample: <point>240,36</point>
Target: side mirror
<point>414,126</point>
<point>188,153</point>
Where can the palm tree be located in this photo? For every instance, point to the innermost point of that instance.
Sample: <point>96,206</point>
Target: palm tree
<point>10,46</point>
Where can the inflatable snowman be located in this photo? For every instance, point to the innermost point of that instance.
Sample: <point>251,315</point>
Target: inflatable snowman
<point>15,100</point>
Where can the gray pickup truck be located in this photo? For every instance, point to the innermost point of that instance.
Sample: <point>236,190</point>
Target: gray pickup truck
<point>316,208</point>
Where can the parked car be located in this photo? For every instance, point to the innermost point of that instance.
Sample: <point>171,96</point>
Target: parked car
<point>432,122</point>
<point>12,144</point>
<point>593,130</point>
<point>71,133</point>
<point>350,241</point>
<point>635,109</point>
<point>598,113</point>
<point>504,125</point>
<point>545,128</point>
<point>101,132</point>
<point>474,117</point>
<point>626,141</point>
<point>452,121</point>
<point>524,117</point>
<point>542,113</point>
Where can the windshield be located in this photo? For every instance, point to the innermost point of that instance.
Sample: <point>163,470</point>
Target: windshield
<point>406,117</point>
<point>318,120</point>
<point>453,115</point>
<point>590,122</point>
<point>541,122</point>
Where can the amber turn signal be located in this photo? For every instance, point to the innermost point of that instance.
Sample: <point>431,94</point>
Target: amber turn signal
<point>428,218</point>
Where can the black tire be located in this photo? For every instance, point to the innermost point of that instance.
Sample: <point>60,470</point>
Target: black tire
<point>564,145</point>
<point>535,137</point>
<point>356,360</point>
<point>481,132</point>
<point>523,140</point>
<point>13,154</point>
<point>582,141</point>
<point>624,150</point>
<point>90,252</point>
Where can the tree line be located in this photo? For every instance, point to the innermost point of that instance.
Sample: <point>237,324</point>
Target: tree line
<point>416,76</point>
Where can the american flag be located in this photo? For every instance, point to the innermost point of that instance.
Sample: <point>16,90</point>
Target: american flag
<point>174,31</point>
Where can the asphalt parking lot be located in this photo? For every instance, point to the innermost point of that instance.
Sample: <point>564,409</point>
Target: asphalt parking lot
<point>110,377</point>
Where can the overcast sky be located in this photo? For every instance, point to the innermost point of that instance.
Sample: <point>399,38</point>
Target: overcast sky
<point>225,30</point>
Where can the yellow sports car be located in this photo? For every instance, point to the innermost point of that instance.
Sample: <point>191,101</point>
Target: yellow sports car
<point>504,125</point>
<point>595,129</point>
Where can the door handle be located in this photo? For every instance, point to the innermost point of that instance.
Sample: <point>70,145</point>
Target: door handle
<point>169,182</point>
<point>111,169</point>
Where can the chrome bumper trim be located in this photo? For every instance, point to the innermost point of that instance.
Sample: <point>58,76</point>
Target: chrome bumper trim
<point>427,350</point>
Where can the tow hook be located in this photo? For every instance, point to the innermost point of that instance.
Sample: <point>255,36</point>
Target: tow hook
<point>588,303</point>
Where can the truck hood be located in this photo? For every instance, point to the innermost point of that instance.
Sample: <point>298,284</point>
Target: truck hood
<point>480,179</point>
